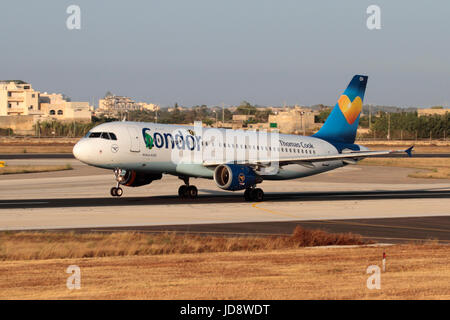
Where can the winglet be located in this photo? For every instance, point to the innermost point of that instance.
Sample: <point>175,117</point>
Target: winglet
<point>409,151</point>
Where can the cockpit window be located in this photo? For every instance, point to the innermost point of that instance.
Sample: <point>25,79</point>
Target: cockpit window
<point>103,135</point>
<point>95,135</point>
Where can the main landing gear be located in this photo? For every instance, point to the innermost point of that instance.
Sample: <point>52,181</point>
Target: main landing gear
<point>186,190</point>
<point>254,194</point>
<point>117,190</point>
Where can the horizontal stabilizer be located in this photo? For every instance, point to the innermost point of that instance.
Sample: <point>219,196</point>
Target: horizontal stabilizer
<point>409,151</point>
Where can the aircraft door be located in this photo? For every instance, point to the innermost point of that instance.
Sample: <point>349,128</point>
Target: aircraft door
<point>134,139</point>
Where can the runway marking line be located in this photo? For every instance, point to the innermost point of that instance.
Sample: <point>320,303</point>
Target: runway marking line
<point>255,205</point>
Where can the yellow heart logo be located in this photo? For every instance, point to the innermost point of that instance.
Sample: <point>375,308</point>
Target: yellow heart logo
<point>350,110</point>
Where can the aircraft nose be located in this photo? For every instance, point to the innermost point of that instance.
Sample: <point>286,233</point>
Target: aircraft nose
<point>79,152</point>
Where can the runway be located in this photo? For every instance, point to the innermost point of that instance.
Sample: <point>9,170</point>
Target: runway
<point>220,199</point>
<point>380,203</point>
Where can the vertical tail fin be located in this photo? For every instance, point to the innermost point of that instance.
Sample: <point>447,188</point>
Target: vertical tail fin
<point>342,123</point>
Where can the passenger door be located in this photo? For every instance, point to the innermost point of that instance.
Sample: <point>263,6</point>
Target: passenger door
<point>134,139</point>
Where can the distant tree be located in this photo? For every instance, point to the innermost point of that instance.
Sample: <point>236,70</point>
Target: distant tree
<point>108,94</point>
<point>246,108</point>
<point>323,115</point>
<point>228,115</point>
<point>409,125</point>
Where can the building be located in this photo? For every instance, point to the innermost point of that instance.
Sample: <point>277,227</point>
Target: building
<point>149,106</point>
<point>115,106</point>
<point>295,120</point>
<point>21,107</point>
<point>240,119</point>
<point>432,111</point>
<point>55,107</point>
<point>18,98</point>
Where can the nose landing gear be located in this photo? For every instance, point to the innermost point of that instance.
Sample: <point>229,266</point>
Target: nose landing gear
<point>186,190</point>
<point>117,191</point>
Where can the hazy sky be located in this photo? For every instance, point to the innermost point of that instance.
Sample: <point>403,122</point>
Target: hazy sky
<point>213,52</point>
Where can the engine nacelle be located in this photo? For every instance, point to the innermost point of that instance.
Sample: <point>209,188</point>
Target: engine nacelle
<point>235,177</point>
<point>131,178</point>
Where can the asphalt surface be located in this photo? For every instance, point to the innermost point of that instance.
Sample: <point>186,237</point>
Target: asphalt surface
<point>218,199</point>
<point>384,230</point>
<point>382,204</point>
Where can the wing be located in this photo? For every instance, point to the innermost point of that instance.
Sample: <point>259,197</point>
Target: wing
<point>350,157</point>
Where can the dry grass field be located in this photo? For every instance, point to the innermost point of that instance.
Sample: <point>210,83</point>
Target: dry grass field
<point>51,245</point>
<point>36,149</point>
<point>419,146</point>
<point>436,168</point>
<point>171,266</point>
<point>33,168</point>
<point>413,272</point>
<point>35,145</point>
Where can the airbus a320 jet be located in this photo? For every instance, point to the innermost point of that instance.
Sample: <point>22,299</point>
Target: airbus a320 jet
<point>141,152</point>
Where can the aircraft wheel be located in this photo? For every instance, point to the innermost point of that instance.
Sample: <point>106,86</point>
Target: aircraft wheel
<point>257,194</point>
<point>119,192</point>
<point>182,191</point>
<point>113,191</point>
<point>192,192</point>
<point>247,194</point>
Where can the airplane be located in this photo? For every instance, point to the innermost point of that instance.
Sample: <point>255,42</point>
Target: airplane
<point>140,152</point>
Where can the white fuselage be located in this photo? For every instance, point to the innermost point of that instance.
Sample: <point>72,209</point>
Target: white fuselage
<point>184,150</point>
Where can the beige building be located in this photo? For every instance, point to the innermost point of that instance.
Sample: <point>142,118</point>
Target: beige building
<point>116,106</point>
<point>295,120</point>
<point>149,106</point>
<point>54,106</point>
<point>21,107</point>
<point>431,111</point>
<point>18,98</point>
<point>238,120</point>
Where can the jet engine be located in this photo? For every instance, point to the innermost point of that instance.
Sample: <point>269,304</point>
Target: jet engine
<point>235,177</point>
<point>131,178</point>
